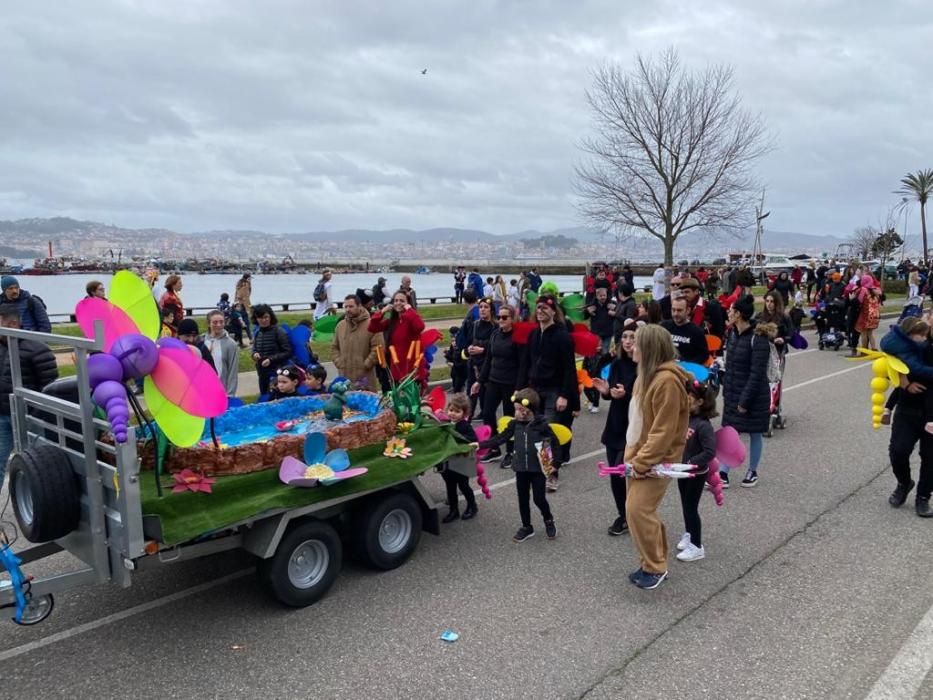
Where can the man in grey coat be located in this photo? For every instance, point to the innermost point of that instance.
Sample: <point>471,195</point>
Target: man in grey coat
<point>224,350</point>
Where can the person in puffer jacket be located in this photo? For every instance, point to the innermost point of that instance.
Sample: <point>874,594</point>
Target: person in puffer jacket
<point>535,444</point>
<point>271,347</point>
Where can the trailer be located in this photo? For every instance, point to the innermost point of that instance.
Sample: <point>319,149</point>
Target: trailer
<point>73,489</point>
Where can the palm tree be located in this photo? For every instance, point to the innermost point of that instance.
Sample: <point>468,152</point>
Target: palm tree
<point>919,186</point>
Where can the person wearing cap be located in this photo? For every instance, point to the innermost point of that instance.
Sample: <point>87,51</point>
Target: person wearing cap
<point>224,351</point>
<point>242,294</point>
<point>32,314</point>
<point>380,292</point>
<point>745,391</point>
<point>323,295</point>
<point>354,345</point>
<point>190,334</point>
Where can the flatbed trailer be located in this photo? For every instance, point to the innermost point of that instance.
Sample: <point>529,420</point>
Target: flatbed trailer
<point>71,490</point>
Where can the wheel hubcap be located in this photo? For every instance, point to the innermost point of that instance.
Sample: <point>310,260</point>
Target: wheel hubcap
<point>395,531</point>
<point>24,498</point>
<point>308,564</point>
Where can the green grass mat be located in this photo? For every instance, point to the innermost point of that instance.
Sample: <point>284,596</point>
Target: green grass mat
<point>185,516</point>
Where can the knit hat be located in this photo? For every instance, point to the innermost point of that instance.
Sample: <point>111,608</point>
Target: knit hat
<point>363,295</point>
<point>8,281</point>
<point>188,326</point>
<point>745,306</point>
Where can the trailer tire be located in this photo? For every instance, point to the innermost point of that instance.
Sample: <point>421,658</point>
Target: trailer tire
<point>45,495</point>
<point>386,534</point>
<point>305,564</point>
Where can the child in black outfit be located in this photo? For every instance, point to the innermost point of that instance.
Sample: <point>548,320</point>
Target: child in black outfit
<point>289,382</point>
<point>456,473</point>
<point>458,365</point>
<point>699,450</point>
<point>316,377</point>
<point>535,444</point>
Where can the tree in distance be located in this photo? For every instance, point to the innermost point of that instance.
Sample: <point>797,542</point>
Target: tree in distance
<point>672,151</point>
<point>919,186</point>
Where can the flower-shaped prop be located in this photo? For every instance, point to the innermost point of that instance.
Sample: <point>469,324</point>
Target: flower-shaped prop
<point>320,466</point>
<point>395,447</point>
<point>887,370</point>
<point>181,389</point>
<point>571,304</point>
<point>188,480</point>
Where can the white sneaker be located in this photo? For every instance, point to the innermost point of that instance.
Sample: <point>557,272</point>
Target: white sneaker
<point>692,553</point>
<point>594,409</point>
<point>684,541</point>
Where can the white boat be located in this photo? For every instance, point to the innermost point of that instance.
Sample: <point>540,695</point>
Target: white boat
<point>773,265</point>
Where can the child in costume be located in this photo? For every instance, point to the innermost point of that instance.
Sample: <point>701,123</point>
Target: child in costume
<point>168,322</point>
<point>535,443</point>
<point>699,450</point>
<point>458,409</point>
<point>458,365</point>
<point>316,375</point>
<point>289,382</point>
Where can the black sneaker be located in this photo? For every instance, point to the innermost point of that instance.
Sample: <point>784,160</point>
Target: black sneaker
<point>524,532</point>
<point>618,527</point>
<point>550,529</point>
<point>506,462</point>
<point>724,478</point>
<point>750,480</point>
<point>649,581</point>
<point>899,497</point>
<point>923,507</point>
<point>452,515</point>
<point>491,456</point>
<point>470,512</point>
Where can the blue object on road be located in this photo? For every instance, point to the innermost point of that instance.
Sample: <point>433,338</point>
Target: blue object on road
<point>449,636</point>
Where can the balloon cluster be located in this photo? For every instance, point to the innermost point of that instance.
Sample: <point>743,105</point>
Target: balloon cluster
<point>131,356</point>
<point>879,385</point>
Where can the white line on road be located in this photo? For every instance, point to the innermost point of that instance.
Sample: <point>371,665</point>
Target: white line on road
<point>179,595</point>
<point>902,678</point>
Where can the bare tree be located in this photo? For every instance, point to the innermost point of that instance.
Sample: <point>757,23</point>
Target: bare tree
<point>863,239</point>
<point>672,152</point>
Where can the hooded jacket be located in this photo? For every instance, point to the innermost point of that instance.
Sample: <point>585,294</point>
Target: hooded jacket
<point>354,349</point>
<point>530,439</point>
<point>664,417</point>
<point>746,381</point>
<point>228,368</point>
<point>896,342</point>
<point>38,366</point>
<point>32,313</point>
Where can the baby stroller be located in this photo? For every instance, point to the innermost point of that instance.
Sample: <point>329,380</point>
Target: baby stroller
<point>913,307</point>
<point>831,324</point>
<point>776,418</point>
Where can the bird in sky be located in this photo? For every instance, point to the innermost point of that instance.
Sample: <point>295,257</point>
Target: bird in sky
<point>424,72</point>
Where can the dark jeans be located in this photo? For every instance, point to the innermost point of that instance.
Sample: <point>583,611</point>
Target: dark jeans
<point>533,482</point>
<point>249,330</point>
<point>497,394</point>
<point>266,376</point>
<point>907,427</point>
<point>453,481</point>
<point>616,482</point>
<point>690,492</point>
<point>458,293</point>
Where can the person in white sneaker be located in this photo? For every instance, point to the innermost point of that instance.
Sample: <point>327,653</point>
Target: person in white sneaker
<point>699,450</point>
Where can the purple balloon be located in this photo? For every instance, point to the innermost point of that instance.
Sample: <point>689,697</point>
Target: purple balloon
<point>103,367</point>
<point>172,343</point>
<point>137,354</point>
<point>111,396</point>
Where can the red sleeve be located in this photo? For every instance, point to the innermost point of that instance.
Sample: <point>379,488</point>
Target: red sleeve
<point>414,321</point>
<point>376,323</point>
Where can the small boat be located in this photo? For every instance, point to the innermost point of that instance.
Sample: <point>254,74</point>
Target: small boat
<point>423,270</point>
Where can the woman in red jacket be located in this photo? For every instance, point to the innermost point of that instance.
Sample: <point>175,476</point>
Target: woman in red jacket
<point>402,327</point>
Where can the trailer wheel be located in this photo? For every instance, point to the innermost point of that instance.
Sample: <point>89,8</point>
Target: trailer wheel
<point>44,493</point>
<point>386,534</point>
<point>37,609</point>
<point>305,564</point>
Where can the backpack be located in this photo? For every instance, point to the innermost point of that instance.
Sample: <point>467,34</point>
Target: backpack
<point>320,292</point>
<point>32,303</point>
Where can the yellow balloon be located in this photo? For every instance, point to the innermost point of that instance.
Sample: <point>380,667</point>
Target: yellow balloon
<point>876,425</point>
<point>877,399</point>
<point>877,410</point>
<point>880,367</point>
<point>879,383</point>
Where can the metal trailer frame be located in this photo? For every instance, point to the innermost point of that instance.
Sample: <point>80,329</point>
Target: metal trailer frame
<point>114,538</point>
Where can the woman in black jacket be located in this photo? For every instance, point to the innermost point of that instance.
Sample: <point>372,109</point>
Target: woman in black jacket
<point>479,332</point>
<point>783,286</point>
<point>774,313</point>
<point>618,389</point>
<point>271,347</point>
<point>497,377</point>
<point>745,392</point>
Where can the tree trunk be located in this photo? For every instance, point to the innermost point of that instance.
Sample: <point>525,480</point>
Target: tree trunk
<point>923,228</point>
<point>668,249</point>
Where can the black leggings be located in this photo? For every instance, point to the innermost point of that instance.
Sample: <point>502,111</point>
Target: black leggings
<point>907,428</point>
<point>453,480</point>
<point>535,483</point>
<point>690,492</point>
<point>616,482</point>
<point>494,395</point>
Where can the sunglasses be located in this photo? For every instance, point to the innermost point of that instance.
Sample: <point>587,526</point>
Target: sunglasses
<point>505,318</point>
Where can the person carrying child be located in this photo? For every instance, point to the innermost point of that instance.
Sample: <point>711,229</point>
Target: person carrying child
<point>700,451</point>
<point>454,475</point>
<point>535,444</point>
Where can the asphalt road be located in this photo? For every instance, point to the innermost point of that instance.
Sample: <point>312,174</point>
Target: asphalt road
<point>813,587</point>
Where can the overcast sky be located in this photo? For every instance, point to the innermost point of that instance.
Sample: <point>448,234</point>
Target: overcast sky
<point>301,115</point>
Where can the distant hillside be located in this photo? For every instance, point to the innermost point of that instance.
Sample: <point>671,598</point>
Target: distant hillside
<point>18,253</point>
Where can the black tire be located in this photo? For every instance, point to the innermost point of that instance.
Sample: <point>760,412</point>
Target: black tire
<point>386,533</point>
<point>305,564</point>
<point>45,494</point>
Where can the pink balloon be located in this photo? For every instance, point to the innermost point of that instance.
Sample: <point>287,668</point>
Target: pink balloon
<point>189,383</point>
<point>729,448</point>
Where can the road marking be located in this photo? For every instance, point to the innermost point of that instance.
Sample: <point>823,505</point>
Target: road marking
<point>904,675</point>
<point>121,615</point>
<point>180,595</point>
<point>827,376</point>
